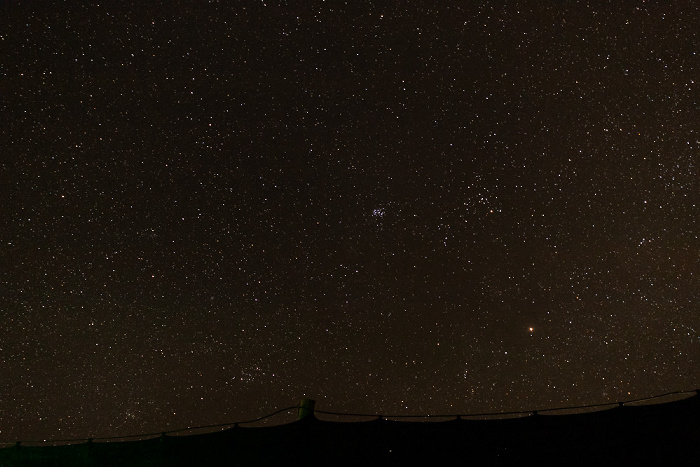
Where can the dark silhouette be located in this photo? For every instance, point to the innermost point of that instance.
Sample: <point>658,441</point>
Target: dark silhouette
<point>624,435</point>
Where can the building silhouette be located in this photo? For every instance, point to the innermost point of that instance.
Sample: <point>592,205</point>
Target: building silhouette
<point>626,434</point>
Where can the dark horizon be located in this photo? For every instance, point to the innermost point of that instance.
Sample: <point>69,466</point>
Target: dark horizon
<point>638,434</point>
<point>291,414</point>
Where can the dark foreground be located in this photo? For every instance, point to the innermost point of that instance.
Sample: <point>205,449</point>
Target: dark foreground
<point>641,435</point>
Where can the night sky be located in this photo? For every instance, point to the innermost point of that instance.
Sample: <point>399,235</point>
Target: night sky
<point>210,210</point>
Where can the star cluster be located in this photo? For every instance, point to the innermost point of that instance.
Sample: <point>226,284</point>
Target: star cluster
<point>210,211</point>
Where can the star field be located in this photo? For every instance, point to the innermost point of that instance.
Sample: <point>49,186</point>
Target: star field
<point>212,210</point>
